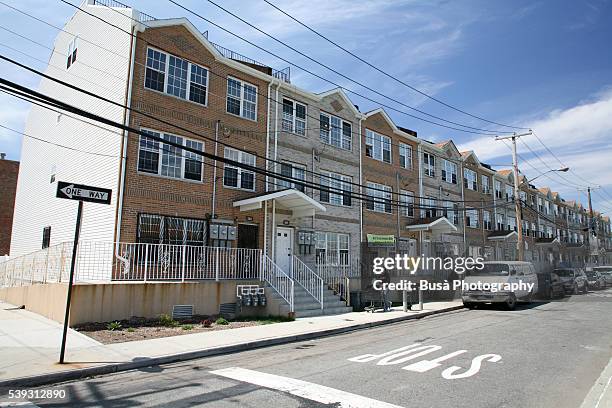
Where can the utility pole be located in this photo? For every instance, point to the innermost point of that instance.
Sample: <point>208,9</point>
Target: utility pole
<point>517,199</point>
<point>590,220</point>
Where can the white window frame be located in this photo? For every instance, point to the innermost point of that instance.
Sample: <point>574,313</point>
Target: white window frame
<point>294,174</point>
<point>322,240</point>
<point>471,215</point>
<point>486,187</point>
<point>373,140</point>
<point>486,220</point>
<point>374,190</point>
<point>166,73</point>
<point>342,182</point>
<point>471,179</point>
<point>185,155</point>
<point>429,166</point>
<point>325,134</point>
<point>242,155</point>
<point>407,203</point>
<point>293,119</point>
<point>449,169</point>
<point>405,153</point>
<point>452,211</point>
<point>242,99</point>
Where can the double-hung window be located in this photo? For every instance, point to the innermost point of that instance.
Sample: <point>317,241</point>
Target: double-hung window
<point>498,189</point>
<point>500,222</point>
<point>471,218</point>
<point>238,177</point>
<point>486,188</point>
<point>294,117</point>
<point>335,131</point>
<point>405,156</point>
<point>407,203</point>
<point>378,146</point>
<point>450,212</point>
<point>511,224</point>
<point>509,193</point>
<point>336,189</point>
<point>176,76</point>
<point>449,172</point>
<point>486,220</point>
<point>332,248</point>
<point>429,207</point>
<point>379,198</point>
<point>241,98</point>
<point>291,171</point>
<point>523,196</point>
<point>167,159</point>
<point>470,179</point>
<point>429,164</point>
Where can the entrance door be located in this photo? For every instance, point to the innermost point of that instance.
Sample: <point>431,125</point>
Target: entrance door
<point>284,248</point>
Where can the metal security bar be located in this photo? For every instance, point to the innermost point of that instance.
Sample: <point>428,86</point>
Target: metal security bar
<point>308,279</point>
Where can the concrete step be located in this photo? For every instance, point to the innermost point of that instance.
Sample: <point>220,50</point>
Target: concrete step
<point>324,312</point>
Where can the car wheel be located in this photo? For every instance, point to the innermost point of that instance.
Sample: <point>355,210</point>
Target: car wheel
<point>511,302</point>
<point>469,305</point>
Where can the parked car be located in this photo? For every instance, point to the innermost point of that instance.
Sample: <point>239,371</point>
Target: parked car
<point>554,286</point>
<point>574,280</point>
<point>606,272</point>
<point>595,280</point>
<point>497,272</point>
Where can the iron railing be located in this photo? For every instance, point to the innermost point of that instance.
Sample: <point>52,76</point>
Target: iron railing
<point>308,279</point>
<point>278,280</point>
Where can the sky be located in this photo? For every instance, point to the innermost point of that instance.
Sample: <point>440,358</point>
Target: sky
<point>544,65</point>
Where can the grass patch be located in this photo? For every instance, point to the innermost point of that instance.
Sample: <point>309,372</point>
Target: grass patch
<point>113,326</point>
<point>187,327</point>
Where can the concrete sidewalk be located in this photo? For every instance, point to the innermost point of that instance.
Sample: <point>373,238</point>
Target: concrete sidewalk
<point>29,343</point>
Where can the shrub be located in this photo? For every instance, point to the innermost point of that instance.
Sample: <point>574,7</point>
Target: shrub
<point>112,326</point>
<point>131,329</point>
<point>167,320</point>
<point>187,326</point>
<point>207,323</point>
<point>221,321</point>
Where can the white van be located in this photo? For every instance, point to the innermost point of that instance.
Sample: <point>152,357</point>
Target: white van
<point>500,272</point>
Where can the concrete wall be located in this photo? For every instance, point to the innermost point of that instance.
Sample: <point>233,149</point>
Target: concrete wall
<point>117,301</point>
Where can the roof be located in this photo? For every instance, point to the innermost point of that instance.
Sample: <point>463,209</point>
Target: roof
<point>505,172</point>
<point>543,241</point>
<point>407,133</point>
<point>501,235</point>
<point>438,224</point>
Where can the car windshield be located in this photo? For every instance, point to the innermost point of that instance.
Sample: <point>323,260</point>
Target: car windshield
<point>565,273</point>
<point>492,270</point>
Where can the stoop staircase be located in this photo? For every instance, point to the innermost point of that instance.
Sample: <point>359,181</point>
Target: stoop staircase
<point>305,305</point>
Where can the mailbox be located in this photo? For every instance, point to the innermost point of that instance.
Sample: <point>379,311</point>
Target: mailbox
<point>222,231</point>
<point>214,231</point>
<point>231,232</point>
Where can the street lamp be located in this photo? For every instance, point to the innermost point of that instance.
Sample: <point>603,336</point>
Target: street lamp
<point>561,170</point>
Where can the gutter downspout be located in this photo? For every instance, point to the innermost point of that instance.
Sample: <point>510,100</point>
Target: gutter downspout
<point>265,243</point>
<point>465,249</point>
<point>273,229</point>
<point>360,183</point>
<point>124,143</point>
<point>214,192</point>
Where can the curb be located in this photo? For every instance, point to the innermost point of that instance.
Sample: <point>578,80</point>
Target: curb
<point>81,373</point>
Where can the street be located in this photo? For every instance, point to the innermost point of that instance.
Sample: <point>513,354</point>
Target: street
<point>540,355</point>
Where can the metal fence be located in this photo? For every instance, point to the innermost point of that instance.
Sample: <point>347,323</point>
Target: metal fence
<point>108,261</point>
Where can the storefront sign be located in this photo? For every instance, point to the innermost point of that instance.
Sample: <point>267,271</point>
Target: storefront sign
<point>381,240</point>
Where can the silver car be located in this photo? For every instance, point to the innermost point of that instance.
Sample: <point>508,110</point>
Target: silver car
<point>606,272</point>
<point>574,280</point>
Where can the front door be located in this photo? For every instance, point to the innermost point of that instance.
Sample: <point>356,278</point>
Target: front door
<point>284,249</point>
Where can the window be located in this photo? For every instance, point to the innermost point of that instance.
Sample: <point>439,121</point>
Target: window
<point>509,193</point>
<point>380,200</point>
<point>500,222</point>
<point>239,177</point>
<point>486,188</point>
<point>470,179</point>
<point>511,224</point>
<point>526,228</point>
<point>449,172</point>
<point>378,146</point>
<point>294,117</point>
<point>556,210</point>
<point>241,98</point>
<point>46,237</point>
<point>338,190</point>
<point>451,213</point>
<point>429,164</point>
<point>534,230</point>
<point>540,205</point>
<point>174,161</point>
<point>486,220</point>
<point>292,171</point>
<point>335,131</point>
<point>407,203</point>
<point>405,156</point>
<point>176,76</point>
<point>471,218</point>
<point>159,229</point>
<point>498,189</point>
<point>332,248</point>
<point>72,52</point>
<point>429,207</point>
<point>547,207</point>
<point>523,196</point>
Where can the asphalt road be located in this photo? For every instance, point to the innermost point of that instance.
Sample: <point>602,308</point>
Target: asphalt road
<point>540,355</point>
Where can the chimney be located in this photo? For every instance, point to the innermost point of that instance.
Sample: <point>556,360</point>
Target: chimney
<point>2,156</point>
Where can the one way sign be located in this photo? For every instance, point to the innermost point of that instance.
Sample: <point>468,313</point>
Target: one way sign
<point>80,192</point>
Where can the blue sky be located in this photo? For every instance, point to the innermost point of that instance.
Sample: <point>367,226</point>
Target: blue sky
<point>540,64</point>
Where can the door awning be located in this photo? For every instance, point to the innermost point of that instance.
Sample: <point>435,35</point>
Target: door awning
<point>502,235</point>
<point>439,225</point>
<point>290,199</point>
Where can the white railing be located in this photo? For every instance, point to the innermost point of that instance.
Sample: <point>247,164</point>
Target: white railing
<point>308,279</point>
<point>278,280</point>
<point>336,274</point>
<point>47,265</point>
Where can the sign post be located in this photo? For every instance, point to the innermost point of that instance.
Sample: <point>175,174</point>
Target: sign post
<point>81,193</point>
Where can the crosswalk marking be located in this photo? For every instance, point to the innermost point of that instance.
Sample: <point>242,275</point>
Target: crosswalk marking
<point>304,389</point>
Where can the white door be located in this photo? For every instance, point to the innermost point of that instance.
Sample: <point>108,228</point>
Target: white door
<point>284,249</point>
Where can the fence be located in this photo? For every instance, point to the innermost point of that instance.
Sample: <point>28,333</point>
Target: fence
<point>108,261</point>
<point>308,279</point>
<point>336,273</point>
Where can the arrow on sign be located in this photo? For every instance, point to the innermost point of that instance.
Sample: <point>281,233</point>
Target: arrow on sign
<point>71,192</point>
<point>80,192</point>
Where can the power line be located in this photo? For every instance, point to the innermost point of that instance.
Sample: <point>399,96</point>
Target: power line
<point>387,74</point>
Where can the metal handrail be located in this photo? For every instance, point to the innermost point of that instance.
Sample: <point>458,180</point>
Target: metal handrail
<point>278,280</point>
<point>308,279</point>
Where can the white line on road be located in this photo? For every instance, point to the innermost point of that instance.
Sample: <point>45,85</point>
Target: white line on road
<point>304,389</point>
<point>598,393</point>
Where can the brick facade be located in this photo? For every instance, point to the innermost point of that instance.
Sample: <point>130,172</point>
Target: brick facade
<point>8,185</point>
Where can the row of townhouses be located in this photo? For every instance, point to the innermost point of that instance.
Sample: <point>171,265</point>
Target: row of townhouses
<point>419,197</point>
